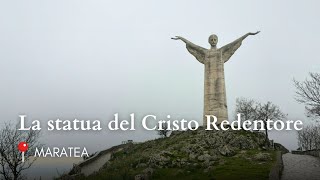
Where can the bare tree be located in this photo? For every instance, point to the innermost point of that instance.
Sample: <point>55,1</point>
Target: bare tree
<point>308,93</point>
<point>253,110</point>
<point>11,165</point>
<point>268,111</point>
<point>164,131</point>
<point>303,139</point>
<point>247,108</point>
<point>309,137</point>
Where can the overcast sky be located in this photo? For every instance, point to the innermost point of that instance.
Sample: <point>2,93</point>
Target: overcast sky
<point>91,59</point>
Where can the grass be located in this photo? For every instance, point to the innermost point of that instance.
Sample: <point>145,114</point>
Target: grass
<point>241,166</point>
<point>232,168</point>
<point>237,167</point>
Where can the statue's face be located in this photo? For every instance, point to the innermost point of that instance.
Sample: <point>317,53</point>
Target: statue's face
<point>213,40</point>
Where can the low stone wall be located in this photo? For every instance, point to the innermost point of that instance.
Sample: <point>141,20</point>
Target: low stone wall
<point>113,149</point>
<point>276,171</point>
<point>280,147</point>
<point>315,153</point>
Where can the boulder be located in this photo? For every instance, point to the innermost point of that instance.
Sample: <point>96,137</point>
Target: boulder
<point>204,157</point>
<point>262,157</point>
<point>227,150</point>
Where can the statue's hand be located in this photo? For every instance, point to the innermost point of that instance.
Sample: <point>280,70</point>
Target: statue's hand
<point>254,33</point>
<point>177,38</point>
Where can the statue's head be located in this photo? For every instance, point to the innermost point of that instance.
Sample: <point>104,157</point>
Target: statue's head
<point>213,40</point>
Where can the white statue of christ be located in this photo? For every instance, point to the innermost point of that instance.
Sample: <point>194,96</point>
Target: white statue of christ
<point>215,101</point>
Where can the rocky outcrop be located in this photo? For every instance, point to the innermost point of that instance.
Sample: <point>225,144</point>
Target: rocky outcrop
<point>196,149</point>
<point>185,153</point>
<point>262,157</point>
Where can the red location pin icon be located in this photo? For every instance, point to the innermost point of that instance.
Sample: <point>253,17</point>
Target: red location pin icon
<point>23,147</point>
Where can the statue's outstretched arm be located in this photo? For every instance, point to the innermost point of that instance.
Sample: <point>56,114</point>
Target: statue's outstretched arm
<point>229,49</point>
<point>188,43</point>
<point>197,51</point>
<point>241,39</point>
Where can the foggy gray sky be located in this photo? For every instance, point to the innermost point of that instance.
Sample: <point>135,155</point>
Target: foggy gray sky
<point>91,59</point>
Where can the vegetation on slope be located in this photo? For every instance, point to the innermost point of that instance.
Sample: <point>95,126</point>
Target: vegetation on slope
<point>193,155</point>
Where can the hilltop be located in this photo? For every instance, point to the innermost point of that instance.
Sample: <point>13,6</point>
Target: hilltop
<point>196,154</point>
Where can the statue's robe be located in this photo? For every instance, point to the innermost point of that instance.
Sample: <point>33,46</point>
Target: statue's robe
<point>215,100</point>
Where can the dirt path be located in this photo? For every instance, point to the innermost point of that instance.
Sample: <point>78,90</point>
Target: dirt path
<point>297,167</point>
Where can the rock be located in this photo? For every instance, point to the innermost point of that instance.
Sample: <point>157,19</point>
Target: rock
<point>183,160</point>
<point>192,156</point>
<point>148,171</point>
<point>242,142</point>
<point>227,150</point>
<point>140,177</point>
<point>204,157</point>
<point>208,163</point>
<point>262,157</point>
<point>145,175</point>
<point>158,159</point>
<point>205,152</point>
<point>208,169</point>
<point>214,152</point>
<point>166,153</point>
<point>141,165</point>
<point>195,165</point>
<point>214,157</point>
